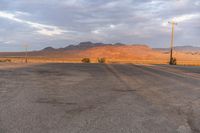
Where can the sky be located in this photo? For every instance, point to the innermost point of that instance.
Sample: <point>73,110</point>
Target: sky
<point>58,23</point>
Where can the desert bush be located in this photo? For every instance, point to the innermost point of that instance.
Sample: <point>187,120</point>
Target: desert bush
<point>101,60</point>
<point>173,61</point>
<point>86,60</point>
<point>5,60</point>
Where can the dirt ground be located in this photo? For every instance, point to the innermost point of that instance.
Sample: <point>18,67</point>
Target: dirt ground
<point>99,98</point>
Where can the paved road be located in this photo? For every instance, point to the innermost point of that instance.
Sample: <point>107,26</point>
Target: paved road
<point>99,98</point>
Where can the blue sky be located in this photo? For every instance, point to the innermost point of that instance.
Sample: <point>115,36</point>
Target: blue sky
<point>58,23</point>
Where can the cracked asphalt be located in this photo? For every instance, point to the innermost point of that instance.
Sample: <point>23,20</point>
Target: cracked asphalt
<point>99,98</point>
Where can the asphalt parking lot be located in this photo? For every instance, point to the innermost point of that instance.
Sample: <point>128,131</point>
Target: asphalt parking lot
<point>99,98</point>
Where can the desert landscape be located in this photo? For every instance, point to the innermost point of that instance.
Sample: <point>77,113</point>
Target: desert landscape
<point>99,66</point>
<point>113,53</point>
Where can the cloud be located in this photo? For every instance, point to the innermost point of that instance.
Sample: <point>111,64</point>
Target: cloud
<point>186,17</point>
<point>197,3</point>
<point>9,42</point>
<point>101,30</point>
<point>182,18</point>
<point>66,22</point>
<point>42,29</point>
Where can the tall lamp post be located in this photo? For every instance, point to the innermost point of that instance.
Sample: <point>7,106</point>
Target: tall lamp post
<point>171,62</point>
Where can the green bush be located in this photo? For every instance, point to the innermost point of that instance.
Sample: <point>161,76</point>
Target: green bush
<point>101,60</point>
<point>86,60</point>
<point>173,61</point>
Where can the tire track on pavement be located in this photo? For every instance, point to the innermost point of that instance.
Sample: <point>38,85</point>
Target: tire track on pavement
<point>120,77</point>
<point>186,109</point>
<point>176,72</point>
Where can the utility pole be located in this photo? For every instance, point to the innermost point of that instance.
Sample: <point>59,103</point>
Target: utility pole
<point>26,53</point>
<point>171,62</point>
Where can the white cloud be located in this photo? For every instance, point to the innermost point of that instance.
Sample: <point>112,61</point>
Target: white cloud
<point>111,4</point>
<point>112,26</point>
<point>197,3</point>
<point>182,18</point>
<point>103,29</point>
<point>19,13</point>
<point>186,17</point>
<point>96,31</point>
<point>9,42</point>
<point>73,3</point>
<point>43,29</point>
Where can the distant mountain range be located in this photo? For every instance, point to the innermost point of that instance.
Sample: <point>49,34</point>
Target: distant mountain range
<point>88,45</point>
<point>85,45</point>
<point>181,49</point>
<point>116,51</point>
<point>80,50</point>
<point>81,46</point>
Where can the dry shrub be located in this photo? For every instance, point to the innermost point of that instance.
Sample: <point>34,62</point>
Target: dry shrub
<point>86,60</point>
<point>101,60</point>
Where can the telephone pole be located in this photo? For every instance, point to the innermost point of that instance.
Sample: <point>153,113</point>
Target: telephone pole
<point>171,62</point>
<point>26,53</point>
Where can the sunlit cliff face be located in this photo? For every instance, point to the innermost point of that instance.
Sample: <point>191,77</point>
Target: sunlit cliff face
<point>60,23</point>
